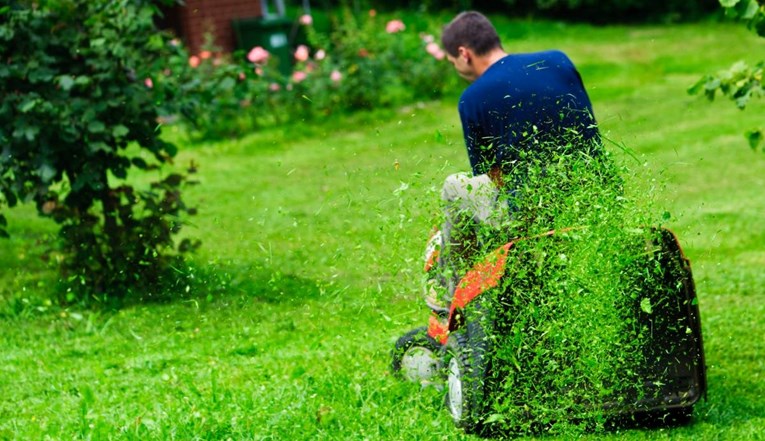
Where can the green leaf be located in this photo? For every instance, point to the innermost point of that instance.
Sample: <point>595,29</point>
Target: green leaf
<point>140,163</point>
<point>728,3</point>
<point>96,126</point>
<point>66,82</point>
<point>27,105</point>
<point>3,221</point>
<point>751,10</point>
<point>712,84</point>
<point>82,80</point>
<point>755,138</point>
<point>698,86</point>
<point>759,24</point>
<point>494,418</point>
<point>46,172</point>
<point>4,234</point>
<point>98,146</point>
<point>645,305</point>
<point>227,84</point>
<point>120,131</point>
<point>10,199</point>
<point>173,180</point>
<point>28,132</point>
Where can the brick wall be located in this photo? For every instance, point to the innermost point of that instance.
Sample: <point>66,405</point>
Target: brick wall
<point>198,17</point>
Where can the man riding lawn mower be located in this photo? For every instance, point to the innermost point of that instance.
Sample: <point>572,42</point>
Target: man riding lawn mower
<point>551,309</point>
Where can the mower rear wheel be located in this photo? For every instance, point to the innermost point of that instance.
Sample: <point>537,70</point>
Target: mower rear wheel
<point>416,357</point>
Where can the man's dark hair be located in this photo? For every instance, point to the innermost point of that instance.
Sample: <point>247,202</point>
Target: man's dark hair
<point>472,30</point>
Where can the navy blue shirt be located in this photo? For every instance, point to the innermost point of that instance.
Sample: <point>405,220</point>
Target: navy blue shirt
<point>519,102</point>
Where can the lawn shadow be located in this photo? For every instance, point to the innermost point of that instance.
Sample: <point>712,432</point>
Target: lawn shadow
<point>208,282</point>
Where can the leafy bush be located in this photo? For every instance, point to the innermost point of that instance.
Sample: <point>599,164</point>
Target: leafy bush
<point>81,111</point>
<point>740,82</point>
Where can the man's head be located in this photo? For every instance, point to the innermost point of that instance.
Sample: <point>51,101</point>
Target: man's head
<point>468,36</point>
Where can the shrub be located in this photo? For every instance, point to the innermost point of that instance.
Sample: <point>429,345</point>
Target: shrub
<point>740,82</point>
<point>81,110</point>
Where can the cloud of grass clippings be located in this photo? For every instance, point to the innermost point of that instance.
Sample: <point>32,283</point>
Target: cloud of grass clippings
<point>576,327</point>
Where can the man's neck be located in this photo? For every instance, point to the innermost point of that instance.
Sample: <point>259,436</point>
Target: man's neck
<point>485,61</point>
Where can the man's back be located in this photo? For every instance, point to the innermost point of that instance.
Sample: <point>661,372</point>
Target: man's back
<point>520,101</point>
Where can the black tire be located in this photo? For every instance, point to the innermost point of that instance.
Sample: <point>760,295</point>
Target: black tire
<point>467,365</point>
<point>416,343</point>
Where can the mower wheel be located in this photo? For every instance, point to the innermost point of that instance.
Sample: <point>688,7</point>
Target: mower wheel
<point>416,357</point>
<point>466,368</point>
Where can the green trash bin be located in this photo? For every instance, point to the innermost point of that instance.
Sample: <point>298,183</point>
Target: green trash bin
<point>272,34</point>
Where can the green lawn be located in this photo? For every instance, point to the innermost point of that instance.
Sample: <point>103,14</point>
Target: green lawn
<point>310,265</point>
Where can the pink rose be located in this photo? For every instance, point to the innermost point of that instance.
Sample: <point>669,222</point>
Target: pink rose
<point>258,55</point>
<point>394,26</point>
<point>427,38</point>
<point>336,76</point>
<point>242,76</point>
<point>306,20</point>
<point>274,87</point>
<point>194,61</point>
<point>320,55</point>
<point>205,55</point>
<point>298,76</point>
<point>148,83</point>
<point>301,53</point>
<point>372,13</point>
<point>259,71</point>
<point>435,50</point>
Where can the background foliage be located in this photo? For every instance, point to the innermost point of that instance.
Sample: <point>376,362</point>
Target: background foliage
<point>358,61</point>
<point>592,11</point>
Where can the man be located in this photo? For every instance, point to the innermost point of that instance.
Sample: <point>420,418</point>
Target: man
<point>515,105</point>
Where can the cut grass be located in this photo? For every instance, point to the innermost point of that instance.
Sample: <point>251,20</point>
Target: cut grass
<point>309,270</point>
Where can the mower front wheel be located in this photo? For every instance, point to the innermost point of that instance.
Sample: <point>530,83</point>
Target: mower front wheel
<point>416,357</point>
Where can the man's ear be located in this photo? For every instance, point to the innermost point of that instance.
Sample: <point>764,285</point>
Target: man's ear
<point>465,53</point>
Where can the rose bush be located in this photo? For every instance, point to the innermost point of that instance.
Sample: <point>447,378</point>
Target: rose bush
<point>365,61</point>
